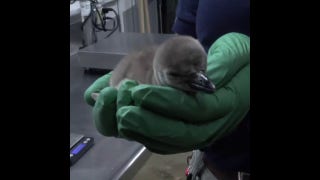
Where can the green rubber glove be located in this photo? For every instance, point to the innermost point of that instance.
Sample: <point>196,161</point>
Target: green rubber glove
<point>167,120</point>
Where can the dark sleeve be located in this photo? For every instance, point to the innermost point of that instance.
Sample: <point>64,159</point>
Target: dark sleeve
<point>232,152</point>
<point>185,22</point>
<point>216,18</point>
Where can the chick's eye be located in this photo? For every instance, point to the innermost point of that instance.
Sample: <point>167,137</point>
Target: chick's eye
<point>174,74</point>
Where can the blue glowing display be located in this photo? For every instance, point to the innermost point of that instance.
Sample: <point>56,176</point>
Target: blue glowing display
<point>77,149</point>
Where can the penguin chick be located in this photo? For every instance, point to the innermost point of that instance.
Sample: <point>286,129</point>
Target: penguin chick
<point>180,62</point>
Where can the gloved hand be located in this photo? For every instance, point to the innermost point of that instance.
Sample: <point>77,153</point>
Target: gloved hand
<point>167,120</point>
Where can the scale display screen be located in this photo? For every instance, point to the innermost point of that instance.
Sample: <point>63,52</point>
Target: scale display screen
<point>78,149</point>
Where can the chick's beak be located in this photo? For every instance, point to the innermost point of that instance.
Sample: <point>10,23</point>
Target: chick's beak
<point>202,83</point>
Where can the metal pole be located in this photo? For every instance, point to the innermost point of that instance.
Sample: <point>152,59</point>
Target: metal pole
<point>88,30</point>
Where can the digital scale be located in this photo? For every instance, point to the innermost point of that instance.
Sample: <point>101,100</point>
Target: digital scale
<point>79,145</point>
<point>107,53</point>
